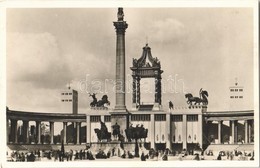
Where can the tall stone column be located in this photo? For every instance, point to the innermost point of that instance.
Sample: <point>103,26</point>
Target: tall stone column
<point>120,115</point>
<point>219,131</point>
<point>38,131</point>
<point>51,131</point>
<point>246,131</point>
<point>120,26</point>
<point>65,132</point>
<point>184,132</point>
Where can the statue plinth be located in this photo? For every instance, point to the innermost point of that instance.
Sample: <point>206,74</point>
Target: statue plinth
<point>121,118</point>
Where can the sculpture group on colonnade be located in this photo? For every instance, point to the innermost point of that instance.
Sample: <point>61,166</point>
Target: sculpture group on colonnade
<point>197,100</point>
<point>104,100</point>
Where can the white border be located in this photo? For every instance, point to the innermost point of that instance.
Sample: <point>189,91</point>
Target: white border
<point>136,4</point>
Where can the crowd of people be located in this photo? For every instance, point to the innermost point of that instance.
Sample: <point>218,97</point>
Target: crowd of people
<point>142,154</point>
<point>238,155</point>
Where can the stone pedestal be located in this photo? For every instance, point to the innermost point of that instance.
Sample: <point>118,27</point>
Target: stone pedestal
<point>122,119</point>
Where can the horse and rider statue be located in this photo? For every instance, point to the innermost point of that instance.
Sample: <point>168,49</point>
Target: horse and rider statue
<point>102,133</point>
<point>136,133</point>
<point>100,103</point>
<point>197,100</point>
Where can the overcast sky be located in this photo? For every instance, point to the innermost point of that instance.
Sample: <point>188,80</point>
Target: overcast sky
<point>198,48</point>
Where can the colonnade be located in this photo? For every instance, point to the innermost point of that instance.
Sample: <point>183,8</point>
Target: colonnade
<point>13,134</point>
<point>234,131</point>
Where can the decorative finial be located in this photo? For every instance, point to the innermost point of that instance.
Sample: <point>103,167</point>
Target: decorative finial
<point>146,41</point>
<point>68,85</point>
<point>236,81</point>
<point>120,14</point>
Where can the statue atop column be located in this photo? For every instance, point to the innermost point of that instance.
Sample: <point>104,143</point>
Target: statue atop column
<point>120,14</point>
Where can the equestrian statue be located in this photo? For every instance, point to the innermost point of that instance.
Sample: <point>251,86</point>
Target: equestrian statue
<point>197,100</point>
<point>103,133</point>
<point>135,133</point>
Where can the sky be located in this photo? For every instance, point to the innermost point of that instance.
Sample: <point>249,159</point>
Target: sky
<point>208,48</point>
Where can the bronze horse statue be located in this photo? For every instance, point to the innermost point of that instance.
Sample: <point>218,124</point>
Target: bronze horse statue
<point>100,103</point>
<point>198,100</point>
<point>103,132</point>
<point>136,133</point>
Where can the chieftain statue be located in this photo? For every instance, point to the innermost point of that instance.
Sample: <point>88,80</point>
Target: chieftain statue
<point>103,133</point>
<point>197,100</point>
<point>135,133</point>
<point>100,103</point>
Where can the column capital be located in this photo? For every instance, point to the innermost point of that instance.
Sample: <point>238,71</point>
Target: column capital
<point>121,26</point>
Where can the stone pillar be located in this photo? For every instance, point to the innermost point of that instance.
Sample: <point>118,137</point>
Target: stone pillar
<point>200,130</point>
<point>235,131</point>
<point>51,131</point>
<point>120,26</point>
<point>246,131</point>
<point>65,132</point>
<point>13,134</point>
<point>219,131</point>
<point>25,131</point>
<point>134,90</point>
<point>184,132</point>
<point>168,131</point>
<point>78,132</point>
<point>38,131</point>
<point>138,92</point>
<point>152,131</point>
<point>249,131</point>
<point>7,131</point>
<point>232,140</point>
<point>102,117</point>
<point>88,138</point>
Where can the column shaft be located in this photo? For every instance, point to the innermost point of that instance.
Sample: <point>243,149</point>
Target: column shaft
<point>52,131</point>
<point>152,131</point>
<point>246,131</point>
<point>184,132</point>
<point>65,132</point>
<point>219,132</point>
<point>232,132</point>
<point>13,134</point>
<point>120,65</point>
<point>38,131</point>
<point>200,130</point>
<point>168,131</point>
<point>25,131</point>
<point>249,131</point>
<point>88,138</point>
<point>78,132</point>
